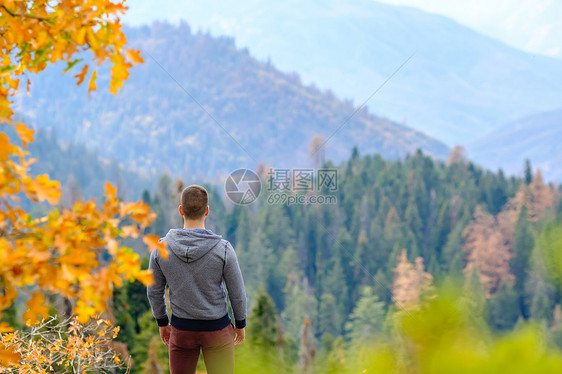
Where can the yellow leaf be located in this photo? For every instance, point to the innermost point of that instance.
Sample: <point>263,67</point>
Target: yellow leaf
<point>4,327</point>
<point>36,307</point>
<point>25,134</point>
<point>110,190</point>
<point>83,311</point>
<point>92,85</point>
<point>47,189</point>
<point>145,277</point>
<point>80,36</point>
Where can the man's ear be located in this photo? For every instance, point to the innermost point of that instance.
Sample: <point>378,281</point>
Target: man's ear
<point>207,211</point>
<point>180,210</point>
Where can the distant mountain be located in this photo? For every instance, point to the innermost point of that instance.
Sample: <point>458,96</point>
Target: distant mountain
<point>458,85</point>
<point>258,113</point>
<point>536,137</point>
<point>82,172</point>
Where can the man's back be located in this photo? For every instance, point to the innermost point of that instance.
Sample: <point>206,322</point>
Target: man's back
<point>198,264</point>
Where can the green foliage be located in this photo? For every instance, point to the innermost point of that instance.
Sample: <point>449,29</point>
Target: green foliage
<point>333,264</point>
<point>262,324</point>
<point>523,244</point>
<point>129,304</point>
<point>542,301</point>
<point>549,244</point>
<point>502,310</point>
<point>367,320</point>
<point>148,350</point>
<point>528,172</point>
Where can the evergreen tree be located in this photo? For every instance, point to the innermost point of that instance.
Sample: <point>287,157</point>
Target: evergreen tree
<point>262,324</point>
<point>148,348</point>
<point>330,319</point>
<point>414,221</point>
<point>382,287</point>
<point>522,247</point>
<point>300,304</point>
<point>502,310</point>
<point>542,304</point>
<point>367,320</point>
<point>528,172</point>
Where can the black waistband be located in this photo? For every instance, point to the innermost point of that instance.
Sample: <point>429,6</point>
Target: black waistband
<point>200,324</point>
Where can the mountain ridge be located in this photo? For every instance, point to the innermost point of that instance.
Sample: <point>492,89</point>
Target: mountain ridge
<point>460,83</point>
<point>152,122</point>
<point>534,137</point>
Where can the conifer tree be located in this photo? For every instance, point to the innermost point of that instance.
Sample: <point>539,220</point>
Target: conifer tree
<point>262,326</point>
<point>541,302</point>
<point>502,309</point>
<point>367,320</point>
<point>522,247</point>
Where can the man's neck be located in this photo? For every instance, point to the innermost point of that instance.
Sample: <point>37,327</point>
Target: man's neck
<point>193,224</point>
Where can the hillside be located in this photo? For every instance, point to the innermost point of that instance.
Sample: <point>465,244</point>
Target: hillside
<point>82,172</point>
<point>348,267</point>
<point>458,85</point>
<point>153,126</point>
<point>536,137</point>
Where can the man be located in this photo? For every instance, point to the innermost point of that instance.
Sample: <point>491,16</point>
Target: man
<point>198,264</point>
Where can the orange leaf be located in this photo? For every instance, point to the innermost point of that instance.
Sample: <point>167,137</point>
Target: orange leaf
<point>110,190</point>
<point>4,327</point>
<point>36,307</point>
<point>116,330</point>
<point>130,231</point>
<point>5,147</point>
<point>80,76</point>
<point>25,134</point>
<point>8,356</point>
<point>152,241</point>
<point>134,55</point>
<point>145,277</point>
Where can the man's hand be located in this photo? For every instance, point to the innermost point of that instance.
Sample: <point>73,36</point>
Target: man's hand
<point>165,334</point>
<point>239,336</point>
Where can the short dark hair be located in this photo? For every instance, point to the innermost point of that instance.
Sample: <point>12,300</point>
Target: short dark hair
<point>194,201</point>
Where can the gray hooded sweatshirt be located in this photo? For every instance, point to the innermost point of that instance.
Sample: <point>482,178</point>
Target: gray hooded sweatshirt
<point>199,263</point>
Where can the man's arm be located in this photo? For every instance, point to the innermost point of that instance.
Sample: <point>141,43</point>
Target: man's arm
<point>235,286</point>
<point>156,292</point>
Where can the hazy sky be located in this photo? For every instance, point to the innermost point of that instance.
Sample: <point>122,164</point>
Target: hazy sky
<point>531,25</point>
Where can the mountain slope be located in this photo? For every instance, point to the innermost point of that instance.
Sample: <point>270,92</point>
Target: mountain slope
<point>458,85</point>
<point>153,125</point>
<point>536,137</point>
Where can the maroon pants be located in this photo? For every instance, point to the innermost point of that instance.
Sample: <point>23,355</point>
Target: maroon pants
<point>217,347</point>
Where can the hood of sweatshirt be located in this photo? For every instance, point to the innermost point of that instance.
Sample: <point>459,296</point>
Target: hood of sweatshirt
<point>190,245</point>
